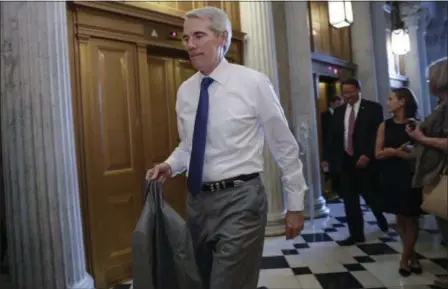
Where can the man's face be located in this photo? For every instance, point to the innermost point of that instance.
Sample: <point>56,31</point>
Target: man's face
<point>350,93</point>
<point>335,104</point>
<point>204,47</point>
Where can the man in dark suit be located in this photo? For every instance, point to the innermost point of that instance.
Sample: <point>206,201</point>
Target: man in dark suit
<point>349,150</point>
<point>326,119</point>
<point>326,116</point>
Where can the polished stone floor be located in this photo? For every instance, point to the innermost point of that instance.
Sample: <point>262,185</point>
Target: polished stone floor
<point>314,260</point>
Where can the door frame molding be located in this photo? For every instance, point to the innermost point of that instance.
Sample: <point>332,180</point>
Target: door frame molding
<point>324,65</point>
<point>145,11</point>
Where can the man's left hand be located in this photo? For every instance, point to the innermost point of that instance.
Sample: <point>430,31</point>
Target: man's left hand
<point>362,162</point>
<point>294,223</point>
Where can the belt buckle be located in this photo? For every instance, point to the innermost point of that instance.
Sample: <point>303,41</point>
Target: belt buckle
<point>214,187</point>
<point>237,183</point>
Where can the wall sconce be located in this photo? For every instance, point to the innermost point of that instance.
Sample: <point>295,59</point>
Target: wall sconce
<point>340,13</point>
<point>400,41</point>
<point>399,36</point>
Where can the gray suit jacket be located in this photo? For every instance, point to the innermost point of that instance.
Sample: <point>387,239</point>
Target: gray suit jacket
<point>162,248</point>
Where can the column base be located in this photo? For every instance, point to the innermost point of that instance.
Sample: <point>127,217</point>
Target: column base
<point>320,209</point>
<point>86,283</point>
<point>275,225</point>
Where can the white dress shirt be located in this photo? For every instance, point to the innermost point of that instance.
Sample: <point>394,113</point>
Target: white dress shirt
<point>346,119</point>
<point>243,109</point>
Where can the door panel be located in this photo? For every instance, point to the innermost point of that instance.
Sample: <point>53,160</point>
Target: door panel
<point>157,111</point>
<point>129,124</point>
<point>113,154</point>
<point>321,107</point>
<point>183,70</point>
<point>165,75</point>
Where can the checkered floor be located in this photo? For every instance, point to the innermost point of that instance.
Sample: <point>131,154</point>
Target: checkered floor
<point>314,260</point>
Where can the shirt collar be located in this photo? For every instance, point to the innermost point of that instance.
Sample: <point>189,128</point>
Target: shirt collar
<point>357,103</point>
<point>219,73</point>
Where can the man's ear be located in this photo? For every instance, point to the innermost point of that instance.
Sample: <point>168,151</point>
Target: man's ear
<point>224,38</point>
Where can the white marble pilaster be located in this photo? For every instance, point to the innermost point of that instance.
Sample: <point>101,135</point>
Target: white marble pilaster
<point>379,26</point>
<point>304,118</point>
<point>260,54</point>
<point>46,248</point>
<point>363,49</point>
<point>436,34</point>
<point>415,60</point>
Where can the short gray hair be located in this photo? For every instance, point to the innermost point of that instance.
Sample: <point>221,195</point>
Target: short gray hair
<point>219,19</point>
<point>438,77</point>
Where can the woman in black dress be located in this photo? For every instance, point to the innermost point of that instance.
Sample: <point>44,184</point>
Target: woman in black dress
<point>393,146</point>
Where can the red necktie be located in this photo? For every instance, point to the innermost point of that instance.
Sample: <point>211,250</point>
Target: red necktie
<point>351,127</point>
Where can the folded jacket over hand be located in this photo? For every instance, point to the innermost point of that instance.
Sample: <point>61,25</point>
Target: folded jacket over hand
<point>162,248</point>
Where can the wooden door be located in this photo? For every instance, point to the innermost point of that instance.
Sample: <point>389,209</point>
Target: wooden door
<point>321,107</point>
<point>129,124</point>
<point>113,154</point>
<point>165,75</point>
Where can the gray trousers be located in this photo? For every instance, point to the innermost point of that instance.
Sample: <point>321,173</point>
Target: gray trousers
<point>227,228</point>
<point>443,227</point>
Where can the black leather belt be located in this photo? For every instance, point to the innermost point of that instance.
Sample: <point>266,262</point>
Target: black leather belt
<point>228,183</point>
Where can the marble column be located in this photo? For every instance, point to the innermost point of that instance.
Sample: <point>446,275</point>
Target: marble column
<point>379,26</point>
<point>415,60</point>
<point>304,118</point>
<point>436,34</point>
<point>363,49</point>
<point>45,236</point>
<point>260,54</point>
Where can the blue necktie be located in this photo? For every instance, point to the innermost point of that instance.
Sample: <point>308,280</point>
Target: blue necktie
<point>199,136</point>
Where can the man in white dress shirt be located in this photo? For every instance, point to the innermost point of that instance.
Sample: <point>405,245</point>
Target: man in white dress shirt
<point>224,112</point>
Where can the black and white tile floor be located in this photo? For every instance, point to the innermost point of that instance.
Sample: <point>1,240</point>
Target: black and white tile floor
<point>314,260</point>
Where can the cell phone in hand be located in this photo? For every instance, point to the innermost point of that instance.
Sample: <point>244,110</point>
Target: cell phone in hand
<point>412,123</point>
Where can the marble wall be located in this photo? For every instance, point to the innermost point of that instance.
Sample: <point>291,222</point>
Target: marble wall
<point>281,43</point>
<point>363,49</point>
<point>369,50</point>
<point>415,60</point>
<point>379,22</point>
<point>436,35</point>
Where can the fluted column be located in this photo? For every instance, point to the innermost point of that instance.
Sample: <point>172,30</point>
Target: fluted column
<point>304,116</point>
<point>260,54</point>
<point>42,199</point>
<point>415,62</point>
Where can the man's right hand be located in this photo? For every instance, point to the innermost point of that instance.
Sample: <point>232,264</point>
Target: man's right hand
<point>325,166</point>
<point>160,172</point>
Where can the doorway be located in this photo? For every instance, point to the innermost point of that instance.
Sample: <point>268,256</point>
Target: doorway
<point>167,69</point>
<point>325,89</point>
<point>129,125</point>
